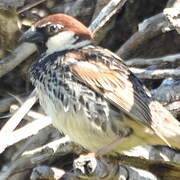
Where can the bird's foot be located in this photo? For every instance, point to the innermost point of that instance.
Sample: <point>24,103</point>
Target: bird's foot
<point>88,166</point>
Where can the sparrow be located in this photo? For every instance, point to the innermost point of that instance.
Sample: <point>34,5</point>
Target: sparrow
<point>90,94</point>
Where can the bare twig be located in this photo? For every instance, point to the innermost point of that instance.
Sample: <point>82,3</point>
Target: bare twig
<point>59,147</point>
<point>156,74</point>
<point>141,62</point>
<point>46,172</point>
<point>30,116</point>
<point>106,13</point>
<point>168,91</point>
<point>92,167</point>
<point>29,6</point>
<point>172,12</point>
<point>11,168</point>
<point>148,29</point>
<point>22,52</point>
<point>174,108</point>
<point>30,159</point>
<point>24,132</point>
<point>18,163</point>
<point>14,121</point>
<point>101,33</point>
<point>100,4</point>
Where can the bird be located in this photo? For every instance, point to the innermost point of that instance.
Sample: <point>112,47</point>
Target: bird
<point>90,94</point>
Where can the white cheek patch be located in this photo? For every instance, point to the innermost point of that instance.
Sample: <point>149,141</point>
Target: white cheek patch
<point>61,41</point>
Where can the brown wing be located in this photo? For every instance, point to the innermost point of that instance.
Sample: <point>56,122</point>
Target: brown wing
<point>104,72</point>
<point>108,76</point>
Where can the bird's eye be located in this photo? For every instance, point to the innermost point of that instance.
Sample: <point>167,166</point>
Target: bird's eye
<point>53,29</point>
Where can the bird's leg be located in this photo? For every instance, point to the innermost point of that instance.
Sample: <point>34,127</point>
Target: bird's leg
<point>107,148</point>
<point>110,146</point>
<point>91,164</point>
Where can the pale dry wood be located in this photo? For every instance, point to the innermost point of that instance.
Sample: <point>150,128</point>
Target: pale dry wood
<point>22,52</point>
<point>9,169</point>
<point>59,147</point>
<point>156,74</point>
<point>6,134</point>
<point>89,166</point>
<point>48,133</point>
<point>24,132</point>
<point>30,116</point>
<point>174,108</point>
<point>32,158</point>
<point>14,120</point>
<point>167,92</point>
<point>51,173</point>
<point>46,172</point>
<point>102,32</point>
<point>142,62</point>
<point>172,12</point>
<point>148,29</point>
<point>18,163</point>
<point>100,4</point>
<point>106,13</point>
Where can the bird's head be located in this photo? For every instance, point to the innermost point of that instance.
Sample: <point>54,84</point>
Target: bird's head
<point>58,32</point>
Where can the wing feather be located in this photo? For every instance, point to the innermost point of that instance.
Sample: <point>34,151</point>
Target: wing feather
<point>117,85</point>
<point>105,73</point>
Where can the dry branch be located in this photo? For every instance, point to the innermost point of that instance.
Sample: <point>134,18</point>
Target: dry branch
<point>25,132</point>
<point>148,29</point>
<point>17,163</point>
<point>174,108</point>
<point>46,172</point>
<point>22,52</point>
<point>156,74</point>
<point>167,92</point>
<point>14,121</point>
<point>99,168</point>
<point>172,12</point>
<point>142,62</point>
<point>30,116</point>
<point>106,13</point>
<point>32,158</point>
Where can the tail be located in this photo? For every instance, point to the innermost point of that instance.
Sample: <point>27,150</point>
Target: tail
<point>165,125</point>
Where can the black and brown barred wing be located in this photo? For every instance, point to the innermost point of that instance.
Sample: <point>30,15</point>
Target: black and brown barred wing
<point>104,72</point>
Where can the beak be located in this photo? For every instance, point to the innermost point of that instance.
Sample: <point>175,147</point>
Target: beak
<point>31,35</point>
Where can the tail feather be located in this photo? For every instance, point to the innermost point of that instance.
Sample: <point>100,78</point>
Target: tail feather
<point>165,125</point>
